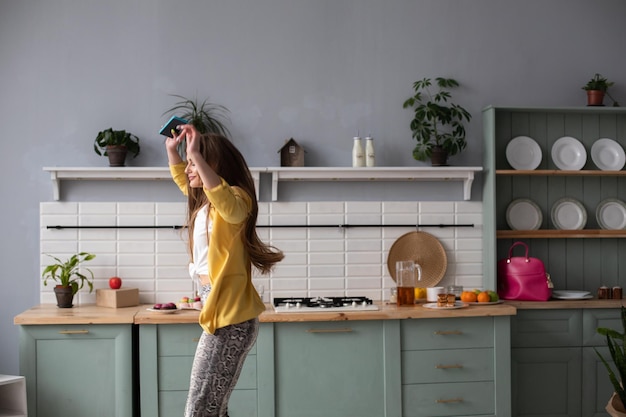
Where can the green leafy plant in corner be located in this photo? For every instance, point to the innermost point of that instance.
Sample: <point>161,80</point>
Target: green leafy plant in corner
<point>616,343</point>
<point>67,273</point>
<point>205,116</point>
<point>600,83</point>
<point>110,137</point>
<point>436,122</point>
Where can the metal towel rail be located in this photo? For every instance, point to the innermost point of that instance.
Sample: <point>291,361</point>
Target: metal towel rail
<point>346,226</point>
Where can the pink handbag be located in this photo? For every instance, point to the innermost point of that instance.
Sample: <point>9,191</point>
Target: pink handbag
<point>523,278</point>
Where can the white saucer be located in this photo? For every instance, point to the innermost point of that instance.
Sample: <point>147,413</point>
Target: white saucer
<point>523,153</point>
<point>608,155</point>
<point>581,297</point>
<point>434,306</point>
<point>565,294</point>
<point>162,311</point>
<point>523,214</point>
<point>611,214</point>
<point>568,154</point>
<point>569,214</point>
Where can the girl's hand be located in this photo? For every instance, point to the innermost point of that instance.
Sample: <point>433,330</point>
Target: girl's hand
<point>192,136</point>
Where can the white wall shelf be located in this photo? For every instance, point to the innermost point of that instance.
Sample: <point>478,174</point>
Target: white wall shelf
<point>464,174</point>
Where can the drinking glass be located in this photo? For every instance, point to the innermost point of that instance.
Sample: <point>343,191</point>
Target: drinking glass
<point>406,280</point>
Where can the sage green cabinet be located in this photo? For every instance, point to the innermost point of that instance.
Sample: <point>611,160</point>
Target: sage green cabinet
<point>555,369</point>
<point>337,369</point>
<point>165,360</point>
<point>576,259</point>
<point>78,370</point>
<point>455,367</point>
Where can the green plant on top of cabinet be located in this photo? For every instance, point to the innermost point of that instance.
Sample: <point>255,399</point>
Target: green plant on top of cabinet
<point>576,259</point>
<point>69,277</point>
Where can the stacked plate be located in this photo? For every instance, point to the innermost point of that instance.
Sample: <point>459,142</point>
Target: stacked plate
<point>611,214</point>
<point>523,214</point>
<point>568,214</point>
<point>569,154</point>
<point>571,295</point>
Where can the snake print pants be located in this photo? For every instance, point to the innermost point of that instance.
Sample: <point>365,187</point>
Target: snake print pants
<point>216,367</point>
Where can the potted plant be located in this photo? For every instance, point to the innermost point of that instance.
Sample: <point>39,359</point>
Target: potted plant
<point>596,88</point>
<point>69,277</point>
<point>437,125</point>
<point>116,144</point>
<point>616,343</point>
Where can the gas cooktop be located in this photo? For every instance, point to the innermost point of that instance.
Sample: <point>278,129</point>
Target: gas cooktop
<point>323,304</point>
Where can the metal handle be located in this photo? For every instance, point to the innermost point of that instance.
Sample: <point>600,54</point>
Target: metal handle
<point>457,366</point>
<point>85,331</point>
<point>342,330</point>
<point>448,332</point>
<point>195,339</point>
<point>450,400</point>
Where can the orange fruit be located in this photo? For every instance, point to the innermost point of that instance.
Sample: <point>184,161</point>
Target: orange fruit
<point>468,296</point>
<point>483,297</point>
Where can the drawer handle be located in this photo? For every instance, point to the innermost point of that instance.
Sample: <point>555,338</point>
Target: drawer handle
<point>448,332</point>
<point>195,339</point>
<point>449,366</point>
<point>343,330</point>
<point>73,331</point>
<point>450,400</point>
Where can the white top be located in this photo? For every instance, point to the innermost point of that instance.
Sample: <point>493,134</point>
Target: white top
<point>201,236</point>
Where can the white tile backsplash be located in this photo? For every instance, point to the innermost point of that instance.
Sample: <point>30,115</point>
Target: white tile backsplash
<point>328,261</point>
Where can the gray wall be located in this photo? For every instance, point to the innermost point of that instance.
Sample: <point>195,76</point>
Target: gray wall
<point>314,70</point>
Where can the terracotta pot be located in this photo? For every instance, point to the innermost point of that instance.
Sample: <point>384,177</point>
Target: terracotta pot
<point>117,155</point>
<point>595,97</point>
<point>615,407</point>
<point>438,156</point>
<point>64,296</point>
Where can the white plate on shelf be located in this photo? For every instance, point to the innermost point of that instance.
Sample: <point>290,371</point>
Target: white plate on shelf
<point>568,154</point>
<point>434,306</point>
<point>523,153</point>
<point>608,155</point>
<point>565,294</point>
<point>569,214</point>
<point>611,214</point>
<point>162,311</point>
<point>579,297</point>
<point>523,214</point>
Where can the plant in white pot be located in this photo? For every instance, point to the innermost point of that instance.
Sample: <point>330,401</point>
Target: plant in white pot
<point>616,343</point>
<point>437,125</point>
<point>68,275</point>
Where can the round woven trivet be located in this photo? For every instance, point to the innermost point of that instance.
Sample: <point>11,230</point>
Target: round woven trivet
<point>425,250</point>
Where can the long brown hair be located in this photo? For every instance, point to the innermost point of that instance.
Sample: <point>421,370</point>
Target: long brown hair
<point>226,160</point>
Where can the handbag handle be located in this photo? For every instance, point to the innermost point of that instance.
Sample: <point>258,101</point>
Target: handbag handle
<point>508,260</point>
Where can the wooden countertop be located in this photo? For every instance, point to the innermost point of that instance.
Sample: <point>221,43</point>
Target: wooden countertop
<point>92,314</point>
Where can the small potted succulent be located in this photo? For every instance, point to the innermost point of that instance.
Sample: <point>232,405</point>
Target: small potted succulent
<point>69,277</point>
<point>596,88</point>
<point>116,144</point>
<point>437,125</point>
<point>616,343</point>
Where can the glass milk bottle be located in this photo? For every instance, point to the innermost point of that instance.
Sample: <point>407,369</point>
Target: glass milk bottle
<point>370,157</point>
<point>358,156</point>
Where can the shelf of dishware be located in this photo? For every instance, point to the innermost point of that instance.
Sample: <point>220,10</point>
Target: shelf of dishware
<point>463,174</point>
<point>560,234</point>
<point>558,172</point>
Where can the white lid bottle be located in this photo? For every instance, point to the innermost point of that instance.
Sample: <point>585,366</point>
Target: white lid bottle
<point>370,157</point>
<point>358,156</point>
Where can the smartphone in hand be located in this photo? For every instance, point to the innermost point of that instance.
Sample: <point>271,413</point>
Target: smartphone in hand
<point>170,128</point>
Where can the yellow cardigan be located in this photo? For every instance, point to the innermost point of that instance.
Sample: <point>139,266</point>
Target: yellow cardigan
<point>233,299</point>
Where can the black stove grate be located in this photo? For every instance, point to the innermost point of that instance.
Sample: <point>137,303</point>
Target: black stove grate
<point>321,302</point>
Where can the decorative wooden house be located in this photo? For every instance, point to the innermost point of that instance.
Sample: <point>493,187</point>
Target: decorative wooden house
<point>291,154</point>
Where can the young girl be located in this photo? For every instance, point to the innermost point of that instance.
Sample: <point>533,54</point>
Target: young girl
<point>221,220</point>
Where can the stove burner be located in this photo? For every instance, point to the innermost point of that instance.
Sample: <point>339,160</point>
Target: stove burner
<point>322,302</point>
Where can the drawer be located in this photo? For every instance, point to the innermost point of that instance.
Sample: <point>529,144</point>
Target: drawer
<point>453,399</point>
<point>174,371</point>
<point>243,403</point>
<point>180,339</point>
<point>471,332</point>
<point>546,328</point>
<point>453,365</point>
<point>592,319</point>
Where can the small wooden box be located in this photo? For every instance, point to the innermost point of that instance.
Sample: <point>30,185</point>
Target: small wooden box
<point>124,297</point>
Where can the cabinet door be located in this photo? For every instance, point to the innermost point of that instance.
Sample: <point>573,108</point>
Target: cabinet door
<point>78,371</point>
<point>330,369</point>
<point>546,381</point>
<point>597,387</point>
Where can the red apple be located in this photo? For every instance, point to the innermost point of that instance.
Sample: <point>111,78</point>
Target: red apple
<point>115,283</point>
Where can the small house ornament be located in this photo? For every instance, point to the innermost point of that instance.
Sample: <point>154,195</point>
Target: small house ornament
<point>291,154</point>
